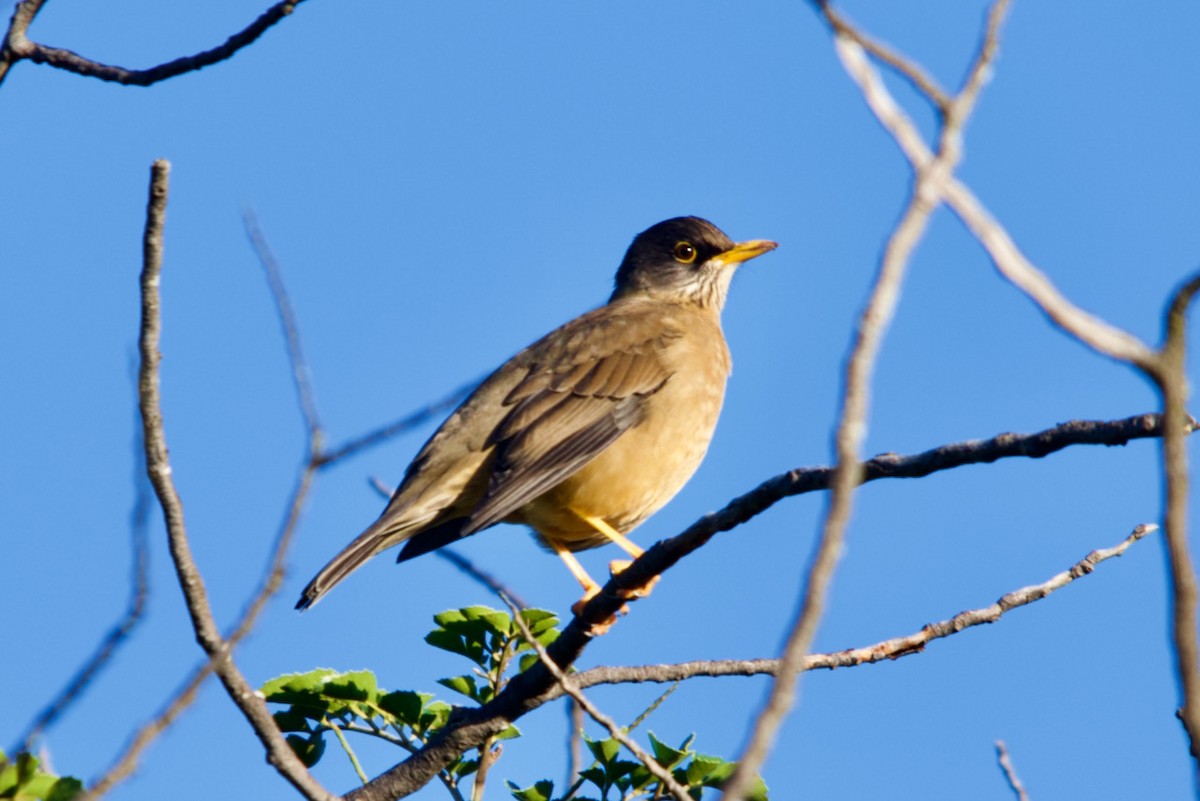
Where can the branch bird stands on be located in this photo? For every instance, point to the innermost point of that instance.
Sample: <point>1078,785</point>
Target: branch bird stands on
<point>588,431</point>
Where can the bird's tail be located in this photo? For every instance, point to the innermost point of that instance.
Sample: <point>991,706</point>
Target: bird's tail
<point>353,556</point>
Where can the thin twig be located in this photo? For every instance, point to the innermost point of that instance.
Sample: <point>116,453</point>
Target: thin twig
<point>158,467</point>
<point>461,562</point>
<point>18,46</point>
<point>851,430</point>
<point>401,426</point>
<point>301,376</point>
<point>894,648</point>
<point>528,690</point>
<point>1007,258</point>
<point>1010,773</point>
<point>1171,380</point>
<point>574,741</point>
<point>118,634</point>
<point>616,732</point>
<point>126,762</point>
<point>904,67</point>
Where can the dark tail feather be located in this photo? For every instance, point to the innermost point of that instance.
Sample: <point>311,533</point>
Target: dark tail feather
<point>350,559</point>
<point>434,538</point>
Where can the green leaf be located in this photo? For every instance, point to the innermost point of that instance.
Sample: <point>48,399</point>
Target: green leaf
<point>433,717</point>
<point>596,776</point>
<point>620,771</point>
<point>441,638</point>
<point>511,733</point>
<point>706,770</point>
<point>292,719</point>
<point>495,621</point>
<point>282,689</point>
<point>358,685</point>
<point>461,684</point>
<point>538,620</point>
<point>603,751</point>
<point>527,661</point>
<point>540,791</point>
<point>308,749</point>
<point>65,789</point>
<point>403,705</point>
<point>448,617</point>
<point>664,754</point>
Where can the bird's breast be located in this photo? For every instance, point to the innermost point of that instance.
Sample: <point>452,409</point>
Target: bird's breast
<point>648,464</point>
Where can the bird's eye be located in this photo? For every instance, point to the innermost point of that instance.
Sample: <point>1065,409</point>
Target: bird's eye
<point>685,252</point>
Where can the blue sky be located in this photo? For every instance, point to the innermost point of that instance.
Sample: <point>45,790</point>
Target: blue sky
<point>443,183</point>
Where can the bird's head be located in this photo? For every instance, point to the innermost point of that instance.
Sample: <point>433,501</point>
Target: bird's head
<point>686,259</point>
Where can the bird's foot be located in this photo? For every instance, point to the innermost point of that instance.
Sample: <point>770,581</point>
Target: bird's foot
<point>633,593</point>
<point>596,629</point>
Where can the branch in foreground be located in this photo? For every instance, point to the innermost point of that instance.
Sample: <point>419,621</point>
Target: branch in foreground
<point>158,467</point>
<point>526,690</point>
<point>1171,380</point>
<point>406,423</point>
<point>895,648</point>
<point>1010,773</point>
<point>855,408</point>
<point>120,631</point>
<point>567,686</point>
<point>18,46</point>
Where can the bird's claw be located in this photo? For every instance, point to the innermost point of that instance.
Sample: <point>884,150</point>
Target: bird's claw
<point>633,593</point>
<point>596,629</point>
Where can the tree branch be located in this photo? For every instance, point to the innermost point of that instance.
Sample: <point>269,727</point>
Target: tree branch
<point>567,686</point>
<point>1010,773</point>
<point>158,467</point>
<point>851,428</point>
<point>119,633</point>
<point>18,46</point>
<point>894,648</point>
<point>527,691</point>
<point>1171,380</point>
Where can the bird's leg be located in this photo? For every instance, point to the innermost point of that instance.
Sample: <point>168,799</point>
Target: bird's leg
<point>625,544</point>
<point>590,589</point>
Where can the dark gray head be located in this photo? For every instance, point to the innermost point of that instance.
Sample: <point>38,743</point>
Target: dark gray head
<point>686,259</point>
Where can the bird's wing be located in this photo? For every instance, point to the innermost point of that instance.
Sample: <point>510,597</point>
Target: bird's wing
<point>572,404</point>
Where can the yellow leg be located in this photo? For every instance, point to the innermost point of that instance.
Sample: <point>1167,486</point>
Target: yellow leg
<point>601,525</point>
<point>589,584</point>
<point>626,544</point>
<point>590,588</point>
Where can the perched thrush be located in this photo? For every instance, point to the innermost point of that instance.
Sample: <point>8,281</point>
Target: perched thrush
<point>586,432</point>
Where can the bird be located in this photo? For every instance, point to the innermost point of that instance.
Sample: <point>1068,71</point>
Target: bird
<point>587,432</point>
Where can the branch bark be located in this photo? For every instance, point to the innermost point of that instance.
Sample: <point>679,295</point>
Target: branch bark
<point>529,690</point>
<point>158,467</point>
<point>18,47</point>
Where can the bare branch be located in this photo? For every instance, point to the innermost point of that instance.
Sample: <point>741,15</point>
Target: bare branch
<point>119,633</point>
<point>532,688</point>
<point>567,685</point>
<point>854,413</point>
<point>895,648</point>
<point>18,46</point>
<point>301,376</point>
<point>158,467</point>
<point>904,67</point>
<point>126,762</point>
<point>1008,259</point>
<point>1010,773</point>
<point>1168,374</point>
<point>404,424</point>
<point>464,564</point>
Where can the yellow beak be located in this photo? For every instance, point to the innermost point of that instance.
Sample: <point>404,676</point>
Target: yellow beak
<point>744,251</point>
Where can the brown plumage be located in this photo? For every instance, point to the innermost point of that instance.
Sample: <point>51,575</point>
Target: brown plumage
<point>588,431</point>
